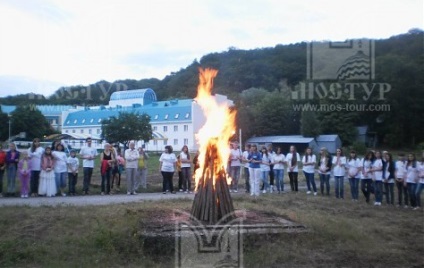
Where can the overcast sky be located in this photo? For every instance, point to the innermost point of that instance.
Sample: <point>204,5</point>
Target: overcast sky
<point>48,43</point>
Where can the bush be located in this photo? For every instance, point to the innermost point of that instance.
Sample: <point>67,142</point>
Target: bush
<point>359,147</point>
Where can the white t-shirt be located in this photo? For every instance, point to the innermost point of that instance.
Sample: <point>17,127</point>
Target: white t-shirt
<point>339,166</point>
<point>366,169</point>
<point>400,169</point>
<point>323,166</point>
<point>88,151</point>
<point>312,159</point>
<point>73,164</point>
<point>289,159</point>
<point>353,166</point>
<point>411,174</point>
<point>266,160</point>
<point>245,155</point>
<point>235,156</point>
<point>420,166</point>
<point>378,175</point>
<point>278,161</point>
<point>168,161</point>
<point>184,156</point>
<point>131,158</point>
<point>60,164</point>
<point>36,158</point>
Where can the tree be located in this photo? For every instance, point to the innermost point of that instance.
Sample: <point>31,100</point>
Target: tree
<point>4,126</point>
<point>127,127</point>
<point>30,120</point>
<point>309,124</point>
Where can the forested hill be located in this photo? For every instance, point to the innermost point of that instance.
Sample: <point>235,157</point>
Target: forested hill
<point>268,74</point>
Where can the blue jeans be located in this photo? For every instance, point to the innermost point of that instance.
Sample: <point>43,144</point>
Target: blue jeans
<point>354,188</point>
<point>60,179</point>
<point>235,175</point>
<point>279,179</point>
<point>324,180</point>
<point>378,191</point>
<point>105,185</point>
<point>339,185</point>
<point>411,192</point>
<point>389,193</point>
<point>11,178</point>
<point>310,179</point>
<point>265,179</point>
<point>420,187</point>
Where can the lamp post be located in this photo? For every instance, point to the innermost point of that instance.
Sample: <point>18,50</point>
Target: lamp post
<point>10,125</point>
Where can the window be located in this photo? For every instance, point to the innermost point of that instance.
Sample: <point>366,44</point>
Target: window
<point>165,128</point>
<point>73,131</point>
<point>100,120</point>
<point>165,142</point>
<point>175,128</point>
<point>66,131</point>
<point>156,117</point>
<point>187,115</point>
<point>185,128</point>
<point>92,120</point>
<point>166,117</point>
<point>98,131</point>
<point>175,141</point>
<point>155,142</point>
<point>83,121</point>
<point>68,122</point>
<point>82,131</point>
<point>185,141</point>
<point>75,121</point>
<point>89,131</point>
<point>54,122</point>
<point>155,128</point>
<point>176,116</point>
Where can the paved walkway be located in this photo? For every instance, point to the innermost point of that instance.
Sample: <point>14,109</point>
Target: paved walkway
<point>90,199</point>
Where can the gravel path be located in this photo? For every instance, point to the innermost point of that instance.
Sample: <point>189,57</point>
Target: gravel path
<point>90,199</point>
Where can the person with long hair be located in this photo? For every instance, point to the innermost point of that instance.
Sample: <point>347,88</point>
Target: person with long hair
<point>420,184</point>
<point>377,170</point>
<point>255,160</point>
<point>167,167</point>
<point>60,168</point>
<point>235,157</point>
<point>309,160</point>
<point>278,161</point>
<point>292,160</point>
<point>400,172</point>
<point>367,175</point>
<point>107,160</point>
<point>246,166</point>
<point>389,178</point>
<point>47,186</point>
<point>186,169</point>
<point>35,153</point>
<point>339,163</point>
<point>324,170</point>
<point>354,169</point>
<point>411,179</point>
<point>142,169</point>
<point>266,161</point>
<point>12,159</point>
<point>271,153</point>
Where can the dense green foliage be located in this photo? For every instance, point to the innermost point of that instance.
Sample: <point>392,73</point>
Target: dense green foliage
<point>127,127</point>
<point>277,71</point>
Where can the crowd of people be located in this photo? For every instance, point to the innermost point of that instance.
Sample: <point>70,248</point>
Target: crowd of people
<point>48,171</point>
<point>376,174</point>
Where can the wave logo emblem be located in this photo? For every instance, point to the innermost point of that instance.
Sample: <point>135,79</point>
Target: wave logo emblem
<point>341,61</point>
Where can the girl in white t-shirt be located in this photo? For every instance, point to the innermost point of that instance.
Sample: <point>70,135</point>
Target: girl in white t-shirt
<point>292,160</point>
<point>309,161</point>
<point>353,166</point>
<point>168,165</point>
<point>339,163</point>
<point>265,168</point>
<point>367,176</point>
<point>420,184</point>
<point>400,171</point>
<point>411,179</point>
<point>377,170</point>
<point>278,159</point>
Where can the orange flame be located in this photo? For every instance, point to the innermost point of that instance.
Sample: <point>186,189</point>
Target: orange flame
<point>218,128</point>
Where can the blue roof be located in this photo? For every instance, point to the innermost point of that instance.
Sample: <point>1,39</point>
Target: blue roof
<point>322,138</point>
<point>147,94</point>
<point>163,111</point>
